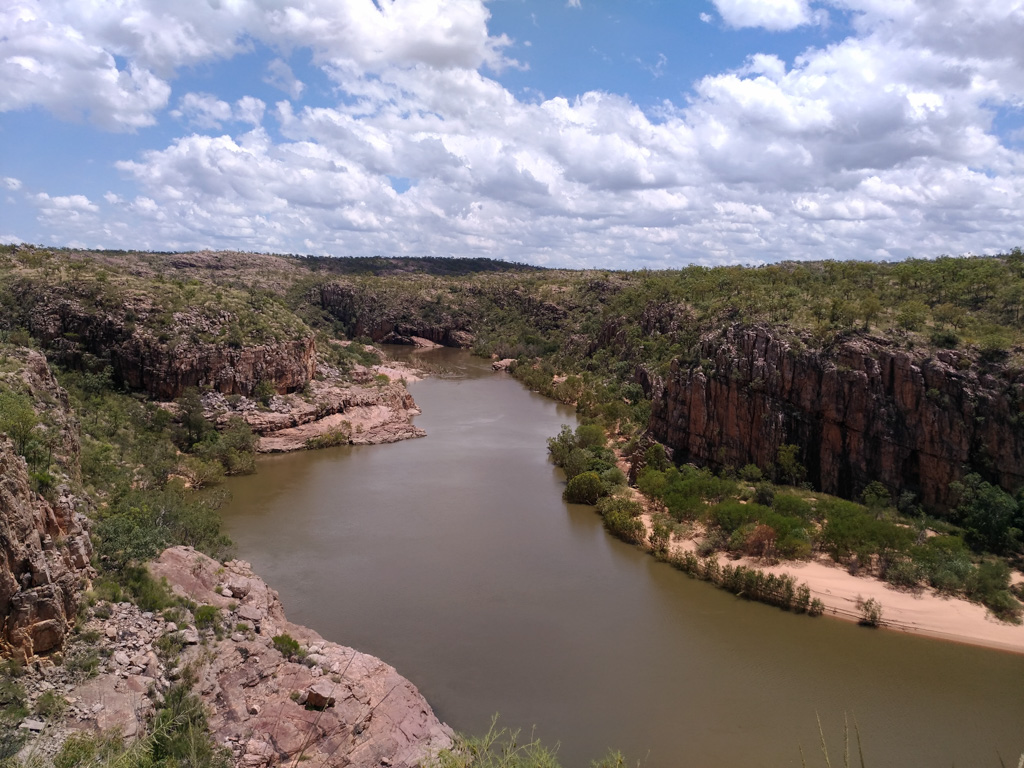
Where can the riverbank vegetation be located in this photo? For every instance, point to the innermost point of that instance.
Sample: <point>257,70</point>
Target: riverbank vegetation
<point>744,514</point>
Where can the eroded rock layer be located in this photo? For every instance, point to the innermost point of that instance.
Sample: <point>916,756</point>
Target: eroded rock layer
<point>862,410</point>
<point>44,561</point>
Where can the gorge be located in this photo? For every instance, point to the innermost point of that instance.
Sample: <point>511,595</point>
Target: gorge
<point>452,557</point>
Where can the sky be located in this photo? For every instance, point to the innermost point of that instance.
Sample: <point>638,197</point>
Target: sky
<point>617,134</point>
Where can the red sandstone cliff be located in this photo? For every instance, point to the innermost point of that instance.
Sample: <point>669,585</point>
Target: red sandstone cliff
<point>164,367</point>
<point>44,562</point>
<point>859,411</point>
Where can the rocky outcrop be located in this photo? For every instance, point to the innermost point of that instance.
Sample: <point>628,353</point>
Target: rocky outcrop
<point>859,411</point>
<point>392,319</point>
<point>44,562</point>
<point>163,363</point>
<point>363,409</point>
<point>337,707</point>
<point>166,373</point>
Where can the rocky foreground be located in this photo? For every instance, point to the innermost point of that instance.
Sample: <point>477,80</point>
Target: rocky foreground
<point>326,705</point>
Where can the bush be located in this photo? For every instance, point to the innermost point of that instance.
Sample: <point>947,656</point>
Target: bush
<point>870,612</point>
<point>791,506</point>
<point>50,705</point>
<point>660,536</point>
<point>288,647</point>
<point>764,494</point>
<point>904,572</point>
<point>206,616</point>
<point>751,473</point>
<point>264,392</point>
<point>585,488</point>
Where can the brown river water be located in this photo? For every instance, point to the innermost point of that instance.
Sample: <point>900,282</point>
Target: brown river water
<point>454,558</point>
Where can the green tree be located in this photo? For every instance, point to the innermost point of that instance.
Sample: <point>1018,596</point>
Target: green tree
<point>17,418</point>
<point>585,488</point>
<point>876,497</point>
<point>790,469</point>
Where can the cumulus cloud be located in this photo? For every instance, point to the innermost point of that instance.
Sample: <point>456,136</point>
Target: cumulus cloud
<point>203,110</point>
<point>112,63</point>
<point>776,15</point>
<point>879,145</point>
<point>11,183</point>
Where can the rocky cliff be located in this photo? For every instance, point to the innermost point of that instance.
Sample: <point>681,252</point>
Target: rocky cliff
<point>391,318</point>
<point>340,707</point>
<point>859,411</point>
<point>161,338</point>
<point>44,562</point>
<point>163,370</point>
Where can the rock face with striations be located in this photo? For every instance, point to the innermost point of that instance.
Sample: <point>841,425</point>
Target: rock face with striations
<point>166,374</point>
<point>192,350</point>
<point>862,410</point>
<point>44,562</point>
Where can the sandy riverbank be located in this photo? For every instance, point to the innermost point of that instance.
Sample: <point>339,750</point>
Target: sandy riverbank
<point>923,611</point>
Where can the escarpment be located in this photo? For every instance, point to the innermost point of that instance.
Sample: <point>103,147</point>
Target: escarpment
<point>859,411</point>
<point>44,561</point>
<point>391,320</point>
<point>162,353</point>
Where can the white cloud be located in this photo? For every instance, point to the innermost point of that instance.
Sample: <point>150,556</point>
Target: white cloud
<point>776,15</point>
<point>111,62</point>
<point>73,212</point>
<point>11,183</point>
<point>202,110</point>
<point>280,75</point>
<point>46,62</point>
<point>573,4</point>
<point>249,110</point>
<point>877,145</point>
<point>706,18</point>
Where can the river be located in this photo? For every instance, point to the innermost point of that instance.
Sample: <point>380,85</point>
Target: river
<point>453,558</point>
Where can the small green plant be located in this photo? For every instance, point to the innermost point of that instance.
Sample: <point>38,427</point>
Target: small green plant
<point>50,705</point>
<point>288,647</point>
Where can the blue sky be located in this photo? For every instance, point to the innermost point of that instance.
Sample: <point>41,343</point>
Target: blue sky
<point>583,134</point>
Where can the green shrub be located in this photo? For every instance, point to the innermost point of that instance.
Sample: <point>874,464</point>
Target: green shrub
<point>584,488</point>
<point>791,506</point>
<point>288,647</point>
<point>764,494</point>
<point>870,612</point>
<point>752,474</point>
<point>264,391</point>
<point>206,616</point>
<point>50,705</point>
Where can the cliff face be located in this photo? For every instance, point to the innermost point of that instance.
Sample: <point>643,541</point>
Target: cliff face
<point>860,411</point>
<point>165,373</point>
<point>162,369</point>
<point>44,561</point>
<point>391,319</point>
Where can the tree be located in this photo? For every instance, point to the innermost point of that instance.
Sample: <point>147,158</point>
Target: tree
<point>790,470</point>
<point>17,418</point>
<point>585,488</point>
<point>876,497</point>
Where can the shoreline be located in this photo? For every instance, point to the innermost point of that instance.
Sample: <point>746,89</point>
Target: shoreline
<point>923,612</point>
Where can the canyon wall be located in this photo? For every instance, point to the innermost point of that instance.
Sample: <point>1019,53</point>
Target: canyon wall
<point>390,318</point>
<point>164,368</point>
<point>44,561</point>
<point>859,411</point>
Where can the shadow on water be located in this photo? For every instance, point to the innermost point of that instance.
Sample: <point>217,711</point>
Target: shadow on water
<point>454,558</point>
